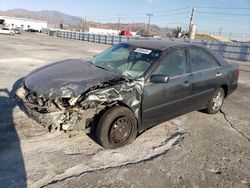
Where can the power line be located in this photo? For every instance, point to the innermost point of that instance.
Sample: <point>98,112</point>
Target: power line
<point>171,14</point>
<point>132,17</point>
<point>220,13</point>
<point>229,8</point>
<point>178,23</point>
<point>203,17</point>
<point>162,11</point>
<point>159,16</point>
<point>172,10</point>
<point>179,13</point>
<point>136,14</point>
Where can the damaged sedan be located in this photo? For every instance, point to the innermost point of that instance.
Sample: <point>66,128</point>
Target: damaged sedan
<point>127,89</point>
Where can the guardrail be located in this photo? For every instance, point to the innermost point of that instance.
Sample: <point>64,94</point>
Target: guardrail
<point>233,51</point>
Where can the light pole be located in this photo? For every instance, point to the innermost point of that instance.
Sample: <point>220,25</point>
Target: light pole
<point>149,16</point>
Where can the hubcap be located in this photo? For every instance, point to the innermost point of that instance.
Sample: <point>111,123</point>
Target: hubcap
<point>217,101</point>
<point>120,131</point>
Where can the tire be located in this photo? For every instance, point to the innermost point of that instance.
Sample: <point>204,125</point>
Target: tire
<point>216,101</point>
<point>116,127</point>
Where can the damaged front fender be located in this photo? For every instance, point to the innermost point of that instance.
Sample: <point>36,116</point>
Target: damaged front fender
<point>77,113</point>
<point>128,93</point>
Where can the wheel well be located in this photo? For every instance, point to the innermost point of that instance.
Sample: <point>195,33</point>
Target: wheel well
<point>98,116</point>
<point>225,88</point>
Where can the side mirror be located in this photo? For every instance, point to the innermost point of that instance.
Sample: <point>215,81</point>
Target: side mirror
<point>159,78</point>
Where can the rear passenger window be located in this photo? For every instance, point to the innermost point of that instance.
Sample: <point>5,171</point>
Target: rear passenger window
<point>201,60</point>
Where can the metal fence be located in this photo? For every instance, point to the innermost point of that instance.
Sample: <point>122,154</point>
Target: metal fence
<point>229,50</point>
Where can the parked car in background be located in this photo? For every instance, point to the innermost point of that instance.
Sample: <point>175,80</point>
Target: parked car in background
<point>18,31</point>
<point>127,89</point>
<point>31,30</point>
<point>126,33</point>
<point>7,31</point>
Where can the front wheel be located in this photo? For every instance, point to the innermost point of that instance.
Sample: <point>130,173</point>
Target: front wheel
<point>117,127</point>
<point>216,102</point>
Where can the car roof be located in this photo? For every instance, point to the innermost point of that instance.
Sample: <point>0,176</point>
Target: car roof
<point>161,45</point>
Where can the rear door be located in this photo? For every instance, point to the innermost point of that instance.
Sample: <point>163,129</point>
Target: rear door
<point>163,100</point>
<point>206,74</point>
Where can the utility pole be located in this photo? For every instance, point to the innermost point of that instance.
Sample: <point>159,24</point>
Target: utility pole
<point>191,22</point>
<point>85,24</point>
<point>220,31</point>
<point>230,35</point>
<point>119,22</point>
<point>149,16</point>
<point>133,25</point>
<point>82,24</point>
<point>243,38</point>
<point>61,24</point>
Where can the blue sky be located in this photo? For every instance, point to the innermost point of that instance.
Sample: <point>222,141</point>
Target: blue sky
<point>231,16</point>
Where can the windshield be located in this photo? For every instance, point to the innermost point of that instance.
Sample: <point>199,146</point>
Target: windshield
<point>126,60</point>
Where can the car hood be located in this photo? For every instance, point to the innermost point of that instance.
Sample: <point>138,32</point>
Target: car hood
<point>69,78</point>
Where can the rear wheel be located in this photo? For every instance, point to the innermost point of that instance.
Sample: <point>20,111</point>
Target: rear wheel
<point>117,127</point>
<point>216,101</point>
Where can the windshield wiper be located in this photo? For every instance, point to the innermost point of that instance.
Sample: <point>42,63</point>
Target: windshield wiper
<point>101,67</point>
<point>126,77</point>
<point>127,74</point>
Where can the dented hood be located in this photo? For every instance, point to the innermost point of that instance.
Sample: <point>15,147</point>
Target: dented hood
<point>69,78</point>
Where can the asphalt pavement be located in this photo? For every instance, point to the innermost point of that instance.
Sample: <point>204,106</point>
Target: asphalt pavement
<point>194,150</point>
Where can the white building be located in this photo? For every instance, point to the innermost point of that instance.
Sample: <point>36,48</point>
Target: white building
<point>23,23</point>
<point>103,31</point>
<point>107,31</point>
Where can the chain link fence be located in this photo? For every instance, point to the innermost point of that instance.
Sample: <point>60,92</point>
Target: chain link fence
<point>229,50</point>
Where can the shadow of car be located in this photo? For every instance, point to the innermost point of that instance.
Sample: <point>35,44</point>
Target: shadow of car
<point>31,30</point>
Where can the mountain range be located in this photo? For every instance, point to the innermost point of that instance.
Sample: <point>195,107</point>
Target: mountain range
<point>54,18</point>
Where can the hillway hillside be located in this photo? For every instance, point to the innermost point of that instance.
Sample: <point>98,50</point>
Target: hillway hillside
<point>54,18</point>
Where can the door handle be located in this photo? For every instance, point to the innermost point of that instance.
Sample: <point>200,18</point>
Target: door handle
<point>186,84</point>
<point>219,74</point>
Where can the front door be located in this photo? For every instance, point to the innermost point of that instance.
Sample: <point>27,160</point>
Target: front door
<point>163,100</point>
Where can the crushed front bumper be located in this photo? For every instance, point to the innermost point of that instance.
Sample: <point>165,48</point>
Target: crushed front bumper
<point>56,120</point>
<point>52,121</point>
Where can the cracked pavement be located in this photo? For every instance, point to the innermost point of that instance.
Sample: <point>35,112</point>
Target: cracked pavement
<point>232,125</point>
<point>194,150</point>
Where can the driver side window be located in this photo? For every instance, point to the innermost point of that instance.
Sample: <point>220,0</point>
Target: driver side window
<point>174,65</point>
